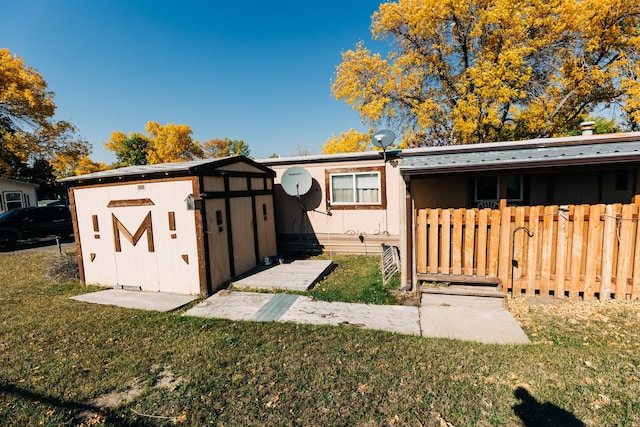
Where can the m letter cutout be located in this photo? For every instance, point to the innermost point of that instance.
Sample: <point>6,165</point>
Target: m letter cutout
<point>118,228</point>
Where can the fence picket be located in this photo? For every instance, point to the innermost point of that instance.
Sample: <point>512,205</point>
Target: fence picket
<point>519,279</point>
<point>594,252</point>
<point>421,240</point>
<point>532,249</point>
<point>445,239</point>
<point>494,243</point>
<point>561,253</point>
<point>469,241</point>
<point>635,289</point>
<point>547,260</point>
<point>481,242</point>
<point>432,241</point>
<point>608,238</point>
<point>576,251</point>
<point>625,233</point>
<point>456,242</point>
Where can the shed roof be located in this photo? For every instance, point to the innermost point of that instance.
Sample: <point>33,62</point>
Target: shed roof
<point>194,167</point>
<point>532,154</point>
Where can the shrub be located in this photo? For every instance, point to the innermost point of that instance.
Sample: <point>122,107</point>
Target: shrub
<point>63,268</point>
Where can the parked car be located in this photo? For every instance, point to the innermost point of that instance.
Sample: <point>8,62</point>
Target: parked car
<point>34,222</point>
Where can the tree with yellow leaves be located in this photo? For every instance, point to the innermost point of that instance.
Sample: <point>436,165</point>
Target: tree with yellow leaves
<point>467,71</point>
<point>216,148</point>
<point>164,144</point>
<point>72,163</point>
<point>28,132</point>
<point>171,143</point>
<point>348,142</point>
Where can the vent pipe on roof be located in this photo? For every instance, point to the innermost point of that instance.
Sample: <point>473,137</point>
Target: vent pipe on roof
<point>587,127</point>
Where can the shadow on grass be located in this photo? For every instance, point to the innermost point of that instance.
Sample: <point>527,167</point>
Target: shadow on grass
<point>533,413</point>
<point>75,411</point>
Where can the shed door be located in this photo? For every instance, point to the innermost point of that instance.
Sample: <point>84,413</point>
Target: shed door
<point>242,229</point>
<point>135,255</point>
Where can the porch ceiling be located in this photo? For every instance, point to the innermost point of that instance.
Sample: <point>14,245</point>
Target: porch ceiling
<point>523,157</point>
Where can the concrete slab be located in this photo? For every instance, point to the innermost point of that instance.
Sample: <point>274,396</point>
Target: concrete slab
<point>230,305</point>
<point>393,318</point>
<point>296,276</point>
<point>274,308</point>
<point>155,301</point>
<point>467,318</point>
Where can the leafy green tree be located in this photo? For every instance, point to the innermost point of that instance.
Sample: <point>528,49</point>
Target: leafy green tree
<point>129,151</point>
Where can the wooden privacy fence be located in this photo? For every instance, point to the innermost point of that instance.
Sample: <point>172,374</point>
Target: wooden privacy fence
<point>581,251</point>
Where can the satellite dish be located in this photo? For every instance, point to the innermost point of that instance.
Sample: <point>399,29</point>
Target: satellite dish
<point>296,181</point>
<point>383,138</point>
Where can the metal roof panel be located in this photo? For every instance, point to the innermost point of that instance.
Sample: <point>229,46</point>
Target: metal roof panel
<point>502,158</point>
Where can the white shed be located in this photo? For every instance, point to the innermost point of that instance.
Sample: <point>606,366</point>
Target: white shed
<point>182,228</point>
<point>17,194</point>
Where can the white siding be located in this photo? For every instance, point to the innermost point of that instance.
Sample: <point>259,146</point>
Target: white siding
<point>28,193</point>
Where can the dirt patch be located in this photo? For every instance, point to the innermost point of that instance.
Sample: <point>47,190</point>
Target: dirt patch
<point>91,414</point>
<point>406,298</point>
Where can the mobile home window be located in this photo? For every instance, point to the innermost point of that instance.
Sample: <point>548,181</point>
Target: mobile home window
<point>355,188</point>
<point>487,188</point>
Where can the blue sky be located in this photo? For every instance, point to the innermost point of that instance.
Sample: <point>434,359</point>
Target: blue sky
<point>256,71</point>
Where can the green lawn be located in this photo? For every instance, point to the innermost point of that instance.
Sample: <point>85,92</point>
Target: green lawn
<point>64,362</point>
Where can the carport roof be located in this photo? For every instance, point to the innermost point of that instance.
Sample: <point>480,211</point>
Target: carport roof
<point>534,154</point>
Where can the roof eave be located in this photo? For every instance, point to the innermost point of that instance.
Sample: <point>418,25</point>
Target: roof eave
<point>522,164</point>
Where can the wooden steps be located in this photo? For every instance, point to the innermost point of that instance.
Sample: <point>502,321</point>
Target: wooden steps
<point>447,284</point>
<point>459,278</point>
<point>471,291</point>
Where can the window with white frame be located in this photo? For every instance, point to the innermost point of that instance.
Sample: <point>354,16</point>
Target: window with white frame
<point>356,187</point>
<point>12,199</point>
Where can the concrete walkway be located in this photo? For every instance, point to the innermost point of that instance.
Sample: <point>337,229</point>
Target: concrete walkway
<point>300,309</point>
<point>478,319</point>
<point>298,275</point>
<point>469,318</point>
